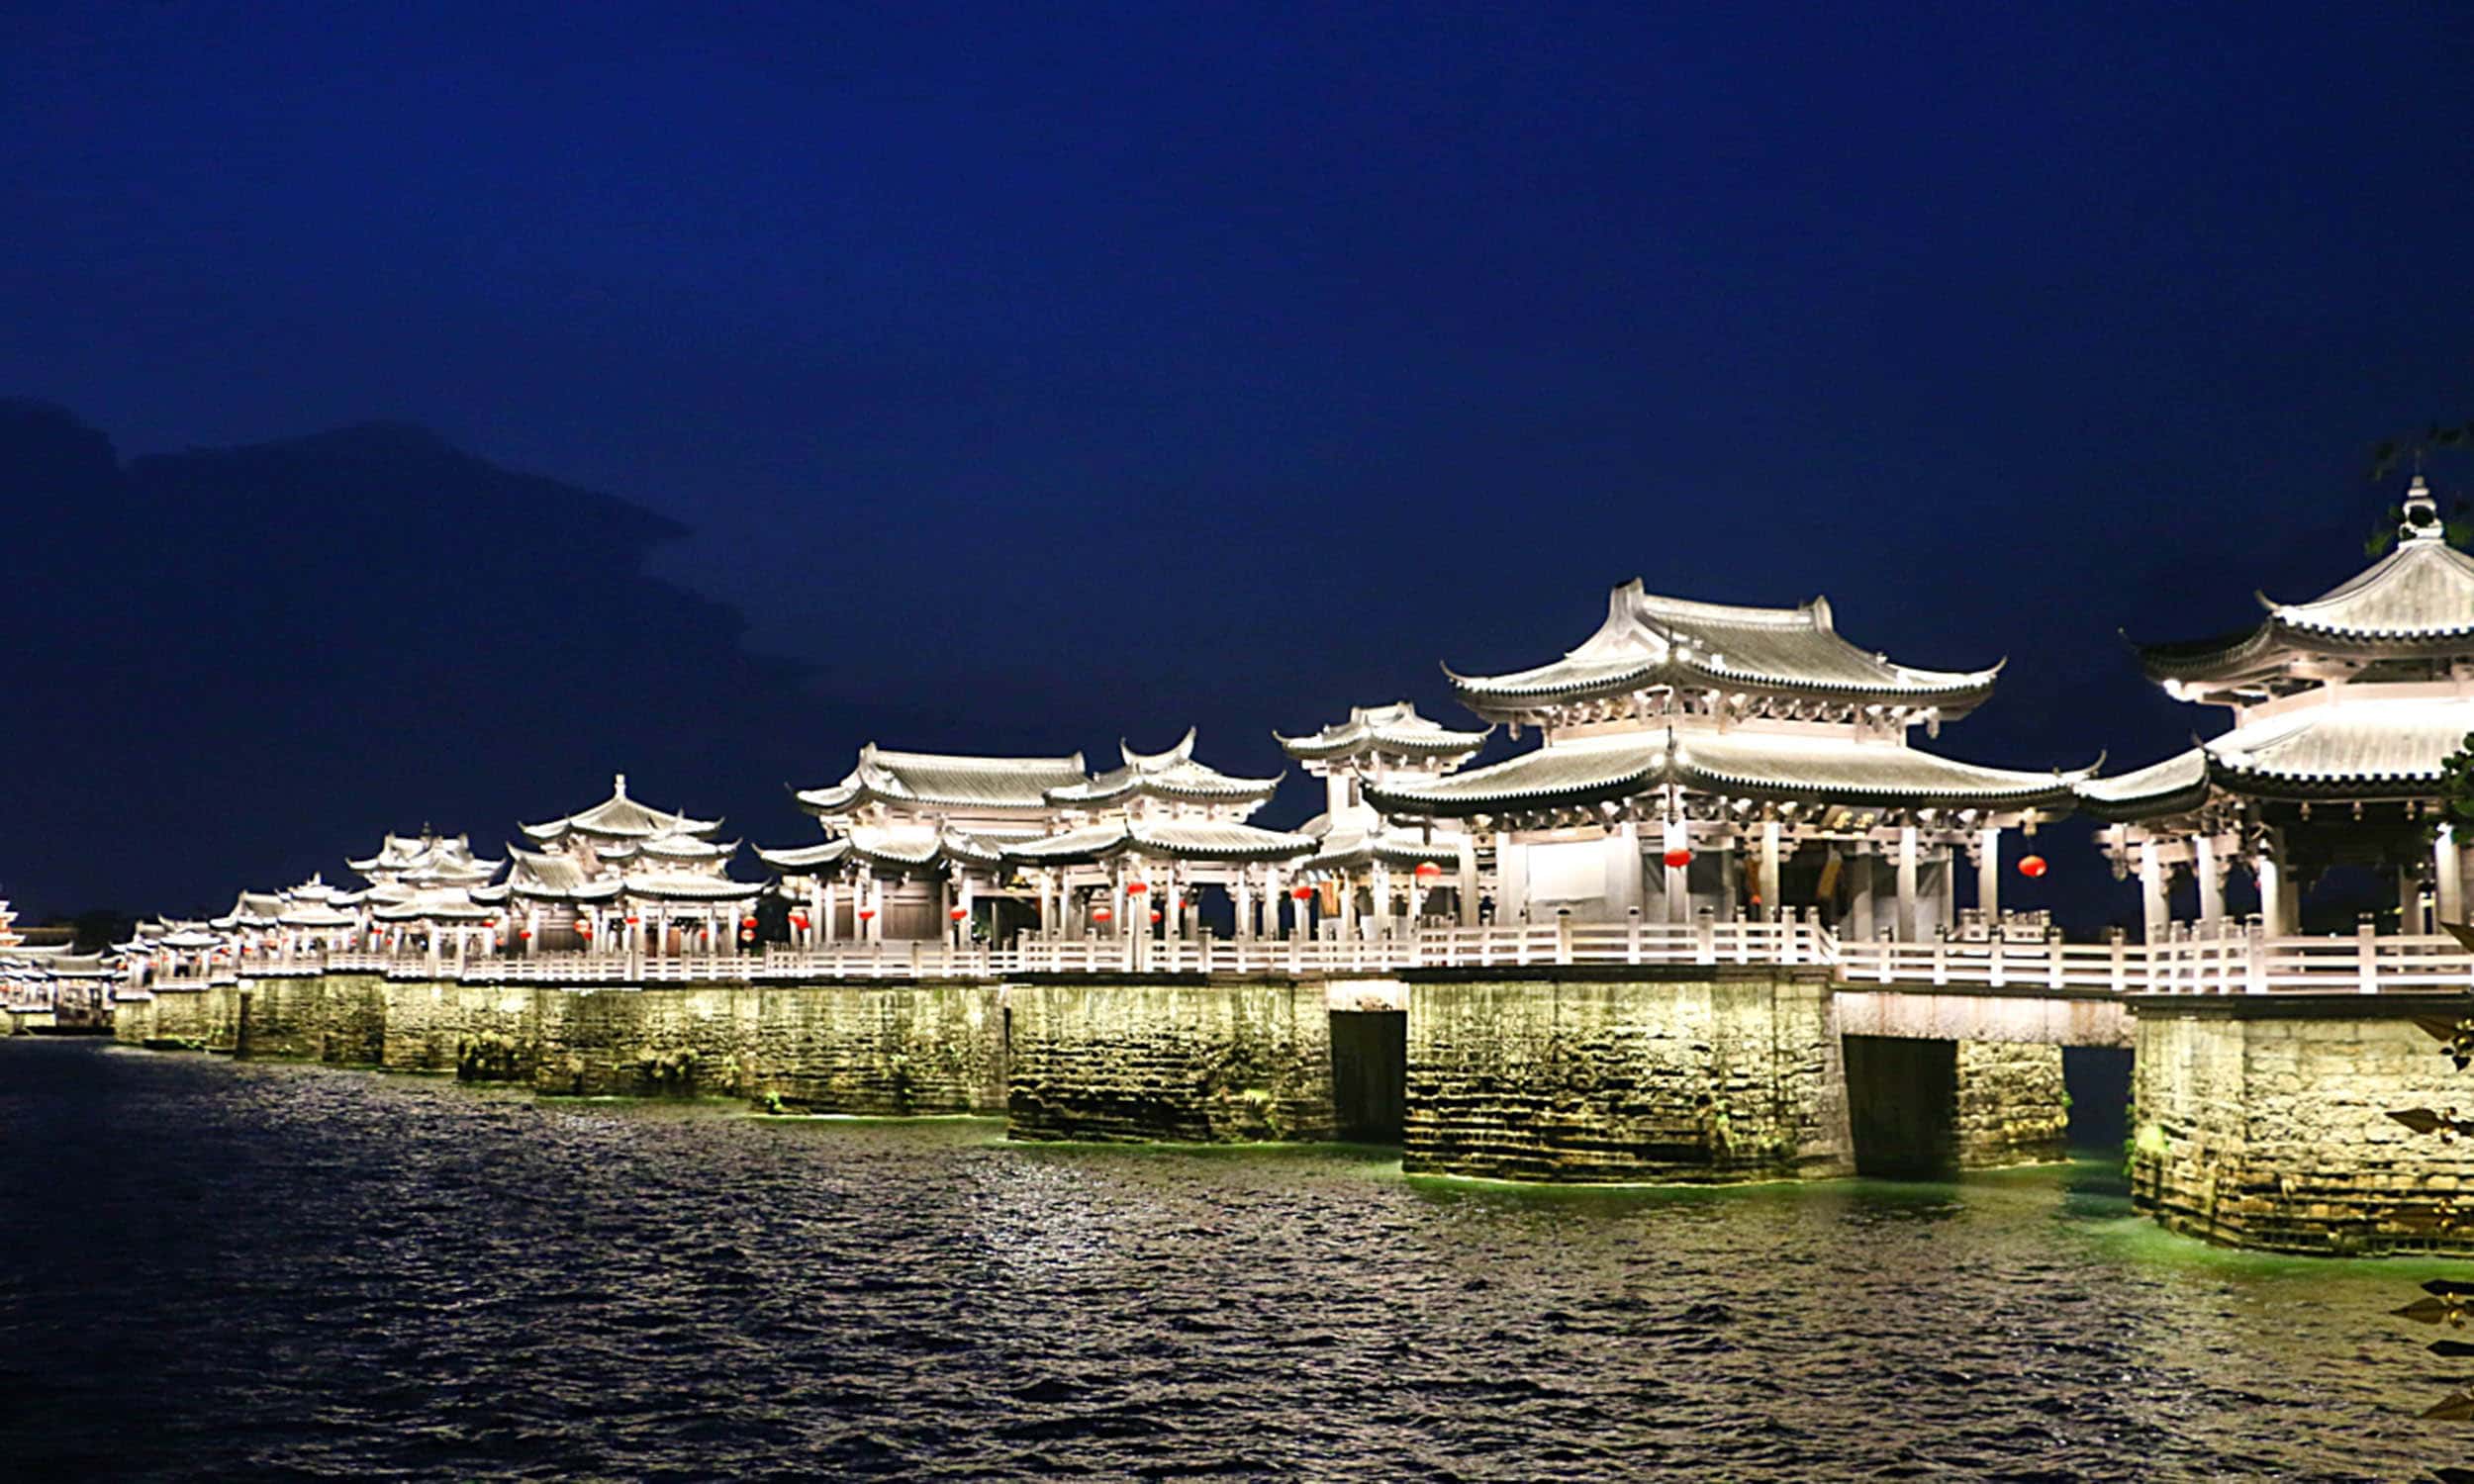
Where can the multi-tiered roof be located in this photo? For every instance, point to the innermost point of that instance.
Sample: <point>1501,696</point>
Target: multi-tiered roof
<point>2358,696</point>
<point>910,812</point>
<point>1653,652</point>
<point>621,848</point>
<point>1763,705</point>
<point>1375,738</point>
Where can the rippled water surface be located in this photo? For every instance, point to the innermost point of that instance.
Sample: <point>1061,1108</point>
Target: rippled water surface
<point>248,1269</point>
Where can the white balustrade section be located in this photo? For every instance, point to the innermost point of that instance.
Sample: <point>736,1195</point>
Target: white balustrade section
<point>2233,960</point>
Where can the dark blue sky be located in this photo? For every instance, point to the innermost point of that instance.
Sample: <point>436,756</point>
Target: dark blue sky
<point>1044,379</point>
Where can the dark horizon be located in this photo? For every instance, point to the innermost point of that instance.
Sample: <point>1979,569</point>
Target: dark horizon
<point>954,382</point>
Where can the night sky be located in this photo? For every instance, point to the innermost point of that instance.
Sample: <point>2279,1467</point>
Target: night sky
<point>1037,382</point>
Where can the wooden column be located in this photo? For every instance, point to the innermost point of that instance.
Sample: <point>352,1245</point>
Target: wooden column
<point>2211,880</point>
<point>1771,908</point>
<point>1910,924</point>
<point>2155,910</point>
<point>2448,876</point>
<point>1989,875</point>
<point>1859,917</point>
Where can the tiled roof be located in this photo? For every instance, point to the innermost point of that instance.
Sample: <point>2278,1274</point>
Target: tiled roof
<point>952,780</point>
<point>548,877</point>
<point>1178,839</point>
<point>1169,774</point>
<point>619,818</point>
<point>437,904</point>
<point>2178,783</point>
<point>2416,601</point>
<point>1648,640</point>
<point>1396,729</point>
<point>1815,767</point>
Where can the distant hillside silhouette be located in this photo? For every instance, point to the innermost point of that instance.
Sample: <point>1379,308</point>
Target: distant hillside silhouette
<point>235,666</point>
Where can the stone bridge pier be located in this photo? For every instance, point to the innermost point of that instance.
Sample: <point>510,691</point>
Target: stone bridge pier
<point>1942,1080</point>
<point>2261,1121</point>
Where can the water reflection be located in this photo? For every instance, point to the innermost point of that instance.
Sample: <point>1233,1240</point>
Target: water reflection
<point>251,1269</point>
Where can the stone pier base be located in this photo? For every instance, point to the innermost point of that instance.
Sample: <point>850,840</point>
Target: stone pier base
<point>2011,1107</point>
<point>1683,1073</point>
<point>2261,1121</point>
<point>1201,1061</point>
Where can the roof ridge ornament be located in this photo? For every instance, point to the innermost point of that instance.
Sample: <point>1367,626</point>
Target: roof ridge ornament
<point>2421,514</point>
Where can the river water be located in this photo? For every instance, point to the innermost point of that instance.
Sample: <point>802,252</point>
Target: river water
<point>221,1270</point>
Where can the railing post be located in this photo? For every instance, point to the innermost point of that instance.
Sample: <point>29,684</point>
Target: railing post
<point>1631,935</point>
<point>1563,935</point>
<point>2255,956</point>
<point>1705,938</point>
<point>2366,949</point>
<point>1941,960</point>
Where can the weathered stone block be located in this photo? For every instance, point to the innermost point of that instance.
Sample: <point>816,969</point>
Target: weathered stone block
<point>2261,1121</point>
<point>1647,1074</point>
<point>1192,1062</point>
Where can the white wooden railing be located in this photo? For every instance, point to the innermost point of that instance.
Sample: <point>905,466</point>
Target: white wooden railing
<point>2232,958</point>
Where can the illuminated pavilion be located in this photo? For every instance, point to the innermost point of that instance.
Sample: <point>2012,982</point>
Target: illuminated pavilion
<point>1700,757</point>
<point>622,875</point>
<point>1375,870</point>
<point>2345,710</point>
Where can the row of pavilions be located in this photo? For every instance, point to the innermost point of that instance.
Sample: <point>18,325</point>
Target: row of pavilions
<point>1691,759</point>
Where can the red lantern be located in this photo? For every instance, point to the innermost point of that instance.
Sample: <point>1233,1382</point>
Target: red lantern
<point>1427,870</point>
<point>866,913</point>
<point>959,913</point>
<point>748,935</point>
<point>1679,858</point>
<point>524,933</point>
<point>1136,888</point>
<point>1155,914</point>
<point>747,922</point>
<point>633,920</point>
<point>489,922</point>
<point>1101,914</point>
<point>2032,867</point>
<point>799,920</point>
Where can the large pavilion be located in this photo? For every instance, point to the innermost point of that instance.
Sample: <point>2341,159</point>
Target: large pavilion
<point>1706,757</point>
<point>913,838</point>
<point>930,845</point>
<point>2345,710</point>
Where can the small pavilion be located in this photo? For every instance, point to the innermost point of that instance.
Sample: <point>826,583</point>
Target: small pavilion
<point>2345,710</point>
<point>1700,757</point>
<point>623,877</point>
<point>1135,847</point>
<point>1376,871</point>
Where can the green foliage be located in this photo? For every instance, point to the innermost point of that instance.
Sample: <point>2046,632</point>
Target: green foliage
<point>671,1071</point>
<point>2456,784</point>
<point>2388,453</point>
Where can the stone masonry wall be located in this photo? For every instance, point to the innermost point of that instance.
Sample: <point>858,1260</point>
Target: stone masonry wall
<point>1204,1062</point>
<point>636,1042</point>
<point>352,1019</point>
<point>281,1017</point>
<point>1625,1076</point>
<point>879,1050</point>
<point>2262,1122</point>
<point>181,1018</point>
<point>2011,1106</point>
<point>133,1021</point>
